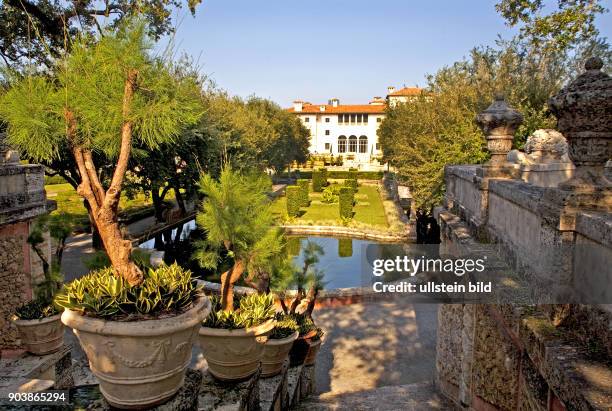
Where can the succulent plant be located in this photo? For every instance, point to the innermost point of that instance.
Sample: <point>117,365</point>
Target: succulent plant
<point>100,293</point>
<point>250,311</point>
<point>286,324</point>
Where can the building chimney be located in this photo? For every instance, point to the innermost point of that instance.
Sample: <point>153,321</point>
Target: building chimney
<point>390,90</point>
<point>377,101</point>
<point>322,108</point>
<point>334,102</point>
<point>297,105</point>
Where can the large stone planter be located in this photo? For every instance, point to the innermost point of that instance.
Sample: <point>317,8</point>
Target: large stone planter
<point>274,354</point>
<point>300,348</point>
<point>234,355</point>
<point>139,363</point>
<point>42,336</point>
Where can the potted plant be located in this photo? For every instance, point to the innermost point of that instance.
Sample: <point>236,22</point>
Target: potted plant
<point>38,321</point>
<point>233,341</point>
<point>135,326</point>
<point>303,303</point>
<point>242,242</point>
<point>280,341</point>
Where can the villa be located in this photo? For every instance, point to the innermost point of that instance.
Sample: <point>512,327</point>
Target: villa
<point>349,130</point>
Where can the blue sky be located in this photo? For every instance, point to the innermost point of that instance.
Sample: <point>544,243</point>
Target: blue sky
<point>350,49</point>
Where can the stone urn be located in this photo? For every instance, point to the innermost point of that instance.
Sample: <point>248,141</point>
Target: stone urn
<point>499,122</point>
<point>274,354</point>
<point>234,355</point>
<point>139,363</point>
<point>584,116</point>
<point>41,336</point>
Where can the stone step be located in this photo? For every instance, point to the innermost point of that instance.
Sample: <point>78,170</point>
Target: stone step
<point>411,397</point>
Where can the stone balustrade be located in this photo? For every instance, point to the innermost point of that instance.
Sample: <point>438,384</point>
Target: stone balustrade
<point>549,221</point>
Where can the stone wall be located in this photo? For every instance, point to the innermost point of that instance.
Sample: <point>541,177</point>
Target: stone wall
<point>15,287</point>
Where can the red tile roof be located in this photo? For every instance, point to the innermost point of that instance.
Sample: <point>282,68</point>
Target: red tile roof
<point>343,108</point>
<point>406,91</point>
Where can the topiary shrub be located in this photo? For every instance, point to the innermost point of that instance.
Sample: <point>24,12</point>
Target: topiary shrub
<point>317,181</point>
<point>352,183</point>
<point>352,174</point>
<point>324,176</point>
<point>331,193</point>
<point>294,201</point>
<point>303,185</point>
<point>346,199</point>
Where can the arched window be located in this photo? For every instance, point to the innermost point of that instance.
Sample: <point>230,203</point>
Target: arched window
<point>352,146</point>
<point>342,144</point>
<point>363,144</point>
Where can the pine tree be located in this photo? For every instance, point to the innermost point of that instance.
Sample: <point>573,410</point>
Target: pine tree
<point>106,95</point>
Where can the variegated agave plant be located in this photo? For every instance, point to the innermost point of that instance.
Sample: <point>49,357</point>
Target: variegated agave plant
<point>252,310</point>
<point>168,288</point>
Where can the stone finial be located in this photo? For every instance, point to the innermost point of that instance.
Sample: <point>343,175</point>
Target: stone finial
<point>499,122</point>
<point>7,155</point>
<point>584,116</point>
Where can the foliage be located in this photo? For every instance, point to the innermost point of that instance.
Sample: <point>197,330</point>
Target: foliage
<point>352,174</point>
<point>346,201</point>
<point>237,220</point>
<point>352,183</point>
<point>341,175</point>
<point>294,200</point>
<point>331,193</point>
<point>166,290</point>
<point>286,325</point>
<point>36,309</point>
<point>304,184</point>
<point>317,181</point>
<point>38,31</point>
<point>250,311</point>
<point>438,128</point>
<point>293,245</point>
<point>305,324</point>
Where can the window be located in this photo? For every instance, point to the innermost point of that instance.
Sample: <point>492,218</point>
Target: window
<point>327,132</point>
<point>353,118</point>
<point>365,118</point>
<point>363,144</point>
<point>378,119</point>
<point>359,118</point>
<point>352,145</point>
<point>346,118</point>
<point>306,119</point>
<point>327,119</point>
<point>327,146</point>
<point>339,118</point>
<point>342,144</point>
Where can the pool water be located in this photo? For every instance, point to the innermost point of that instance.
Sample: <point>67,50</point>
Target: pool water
<point>345,262</point>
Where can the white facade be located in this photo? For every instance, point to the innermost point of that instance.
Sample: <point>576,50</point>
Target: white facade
<point>343,130</point>
<point>349,131</point>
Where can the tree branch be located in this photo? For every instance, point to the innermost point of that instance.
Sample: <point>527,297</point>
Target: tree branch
<point>113,193</point>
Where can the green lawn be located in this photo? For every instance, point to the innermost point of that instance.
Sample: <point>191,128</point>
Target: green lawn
<point>369,209</point>
<point>68,201</point>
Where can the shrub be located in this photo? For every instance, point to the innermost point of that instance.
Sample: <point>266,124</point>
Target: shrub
<point>249,311</point>
<point>52,180</point>
<point>352,174</point>
<point>303,185</point>
<point>352,183</point>
<point>338,175</point>
<point>286,324</point>
<point>102,294</point>
<point>305,324</point>
<point>331,193</point>
<point>36,309</point>
<point>318,180</point>
<point>324,175</point>
<point>294,201</point>
<point>346,199</point>
<point>294,244</point>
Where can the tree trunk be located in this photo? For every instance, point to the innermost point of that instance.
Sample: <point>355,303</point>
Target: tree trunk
<point>180,201</point>
<point>228,279</point>
<point>158,205</point>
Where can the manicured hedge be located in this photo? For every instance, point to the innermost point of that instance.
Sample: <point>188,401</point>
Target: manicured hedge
<point>317,181</point>
<point>324,174</point>
<point>352,174</point>
<point>303,184</point>
<point>346,200</point>
<point>341,175</point>
<point>345,247</point>
<point>51,180</point>
<point>294,201</point>
<point>352,183</point>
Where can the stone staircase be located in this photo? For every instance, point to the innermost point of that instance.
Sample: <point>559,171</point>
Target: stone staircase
<point>411,397</point>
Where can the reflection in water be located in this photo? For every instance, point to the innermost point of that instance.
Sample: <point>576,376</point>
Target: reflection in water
<point>346,262</point>
<point>166,237</point>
